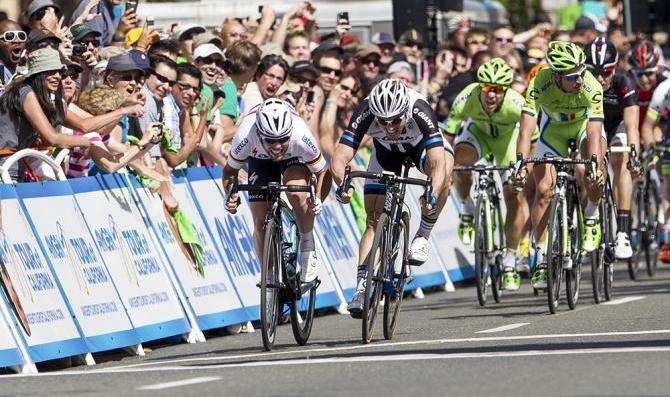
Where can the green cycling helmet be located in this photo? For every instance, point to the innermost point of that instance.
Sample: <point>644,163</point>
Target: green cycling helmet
<point>495,72</point>
<point>563,56</point>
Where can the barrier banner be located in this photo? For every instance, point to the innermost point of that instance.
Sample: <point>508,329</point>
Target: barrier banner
<point>86,283</point>
<point>9,350</point>
<point>40,312</point>
<point>131,257</point>
<point>456,256</point>
<point>213,297</point>
<point>336,231</point>
<point>233,236</point>
<point>432,272</point>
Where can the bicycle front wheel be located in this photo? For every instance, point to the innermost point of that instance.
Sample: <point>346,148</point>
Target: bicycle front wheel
<point>374,282</point>
<point>270,306</point>
<point>637,236</point>
<point>554,254</point>
<point>398,272</point>
<point>481,257</point>
<point>302,316</point>
<point>573,276</point>
<point>652,207</point>
<point>496,269</point>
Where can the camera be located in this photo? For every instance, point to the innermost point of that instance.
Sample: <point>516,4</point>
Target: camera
<point>78,49</point>
<point>343,18</point>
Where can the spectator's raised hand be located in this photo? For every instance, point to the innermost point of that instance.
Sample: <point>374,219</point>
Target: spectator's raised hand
<point>88,59</point>
<point>65,48</point>
<point>137,98</point>
<point>147,38</point>
<point>205,106</point>
<point>86,15</point>
<point>128,21</point>
<point>135,110</point>
<point>308,11</point>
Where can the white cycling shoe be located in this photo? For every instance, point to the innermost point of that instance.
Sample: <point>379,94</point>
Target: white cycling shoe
<point>310,269</point>
<point>622,249</point>
<point>418,251</point>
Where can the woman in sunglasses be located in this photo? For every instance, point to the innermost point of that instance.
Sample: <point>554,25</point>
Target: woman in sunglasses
<point>337,112</point>
<point>401,125</point>
<point>568,101</point>
<point>487,115</point>
<point>621,125</point>
<point>32,108</point>
<point>279,147</point>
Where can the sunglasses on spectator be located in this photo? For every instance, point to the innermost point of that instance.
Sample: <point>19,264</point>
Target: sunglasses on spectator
<point>478,42</point>
<point>186,87</point>
<point>163,79</point>
<point>47,43</point>
<point>73,74</point>
<point>14,35</point>
<point>272,141</point>
<point>390,122</point>
<point>373,60</point>
<point>603,72</point>
<point>94,42</point>
<point>327,70</point>
<point>572,77</point>
<point>412,44</point>
<point>128,76</point>
<point>303,80</point>
<point>352,90</point>
<point>503,39</point>
<point>211,60</point>
<point>644,72</point>
<point>495,88</point>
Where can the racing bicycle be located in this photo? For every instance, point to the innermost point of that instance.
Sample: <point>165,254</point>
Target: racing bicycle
<point>387,264</point>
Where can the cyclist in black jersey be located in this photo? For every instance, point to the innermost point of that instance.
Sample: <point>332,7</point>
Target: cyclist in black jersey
<point>621,125</point>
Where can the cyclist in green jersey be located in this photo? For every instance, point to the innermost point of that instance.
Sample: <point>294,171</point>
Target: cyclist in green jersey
<point>487,115</point>
<point>568,101</point>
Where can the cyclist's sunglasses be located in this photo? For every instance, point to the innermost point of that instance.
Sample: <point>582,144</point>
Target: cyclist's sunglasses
<point>390,122</point>
<point>272,141</point>
<point>603,72</point>
<point>572,77</point>
<point>14,35</point>
<point>495,88</point>
<point>644,72</point>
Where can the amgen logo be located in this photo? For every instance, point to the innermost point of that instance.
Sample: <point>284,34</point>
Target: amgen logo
<point>238,246</point>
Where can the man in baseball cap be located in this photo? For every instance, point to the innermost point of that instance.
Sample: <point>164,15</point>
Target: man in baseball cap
<point>386,44</point>
<point>410,44</point>
<point>368,61</point>
<point>209,59</point>
<point>184,37</point>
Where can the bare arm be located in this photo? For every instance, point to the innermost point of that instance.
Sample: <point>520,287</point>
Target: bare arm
<point>327,128</point>
<point>342,156</point>
<point>36,117</point>
<point>324,180</point>
<point>526,130</point>
<point>264,26</point>
<point>631,115</point>
<point>96,123</point>
<point>437,164</point>
<point>647,131</point>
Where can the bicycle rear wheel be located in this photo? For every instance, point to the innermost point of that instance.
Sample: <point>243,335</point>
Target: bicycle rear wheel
<point>398,269</point>
<point>598,265</point>
<point>498,243</point>
<point>374,285</point>
<point>481,259</point>
<point>637,235</point>
<point>609,227</point>
<point>270,306</point>
<point>554,256</point>
<point>652,206</point>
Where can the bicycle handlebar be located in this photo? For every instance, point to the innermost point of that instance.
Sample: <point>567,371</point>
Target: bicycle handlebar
<point>387,178</point>
<point>272,187</point>
<point>482,168</point>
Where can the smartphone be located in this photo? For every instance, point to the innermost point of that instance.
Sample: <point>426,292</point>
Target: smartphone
<point>131,5</point>
<point>311,97</point>
<point>150,22</point>
<point>342,18</point>
<point>260,9</point>
<point>219,94</point>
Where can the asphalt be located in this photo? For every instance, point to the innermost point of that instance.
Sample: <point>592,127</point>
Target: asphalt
<point>445,345</point>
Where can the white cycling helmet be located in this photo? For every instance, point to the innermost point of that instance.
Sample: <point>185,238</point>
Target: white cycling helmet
<point>273,119</point>
<point>389,99</point>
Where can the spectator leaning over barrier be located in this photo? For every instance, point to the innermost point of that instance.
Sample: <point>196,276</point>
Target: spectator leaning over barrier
<point>113,31</point>
<point>32,107</point>
<point>339,106</point>
<point>270,75</point>
<point>184,37</point>
<point>240,65</point>
<point>386,44</point>
<point>12,43</point>
<point>368,62</point>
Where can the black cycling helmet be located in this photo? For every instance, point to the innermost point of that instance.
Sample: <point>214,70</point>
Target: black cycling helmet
<point>601,54</point>
<point>644,55</point>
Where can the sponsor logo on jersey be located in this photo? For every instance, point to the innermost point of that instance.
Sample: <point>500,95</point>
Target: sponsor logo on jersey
<point>237,149</point>
<point>424,117</point>
<point>252,178</point>
<point>310,144</point>
<point>359,119</point>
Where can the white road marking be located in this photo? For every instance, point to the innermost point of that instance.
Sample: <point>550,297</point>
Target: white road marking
<point>185,382</point>
<point>660,290</point>
<point>503,328</point>
<point>306,352</point>
<point>621,301</point>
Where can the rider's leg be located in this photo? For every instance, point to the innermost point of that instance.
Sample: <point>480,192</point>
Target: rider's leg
<point>623,190</point>
<point>593,195</point>
<point>465,154</point>
<point>304,218</point>
<point>258,211</point>
<point>544,176</point>
<point>261,172</point>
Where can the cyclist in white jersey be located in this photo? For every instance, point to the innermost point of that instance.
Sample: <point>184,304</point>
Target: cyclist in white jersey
<point>402,124</point>
<point>279,147</point>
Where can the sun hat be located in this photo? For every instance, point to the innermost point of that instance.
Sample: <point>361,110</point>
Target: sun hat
<point>43,60</point>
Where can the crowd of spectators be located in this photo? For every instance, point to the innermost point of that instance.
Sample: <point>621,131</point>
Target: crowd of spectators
<point>121,93</point>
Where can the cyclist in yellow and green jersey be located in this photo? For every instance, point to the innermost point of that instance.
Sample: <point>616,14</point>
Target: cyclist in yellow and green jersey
<point>568,101</point>
<point>487,115</point>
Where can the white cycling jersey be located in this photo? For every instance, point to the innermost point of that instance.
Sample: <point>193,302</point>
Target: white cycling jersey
<point>247,143</point>
<point>660,101</point>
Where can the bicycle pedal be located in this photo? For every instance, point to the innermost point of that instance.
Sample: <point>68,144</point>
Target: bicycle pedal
<point>414,262</point>
<point>304,287</point>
